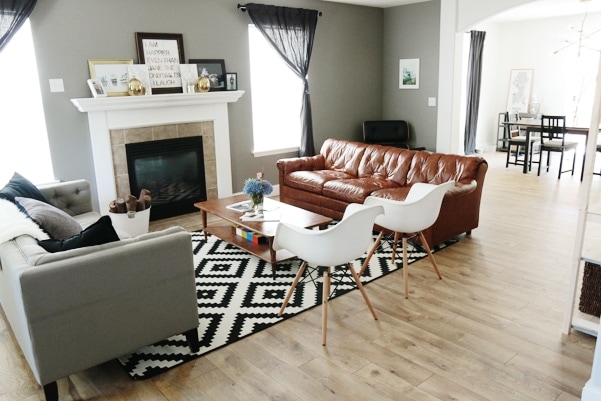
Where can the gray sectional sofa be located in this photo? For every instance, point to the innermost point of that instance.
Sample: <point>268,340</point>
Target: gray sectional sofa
<point>74,309</point>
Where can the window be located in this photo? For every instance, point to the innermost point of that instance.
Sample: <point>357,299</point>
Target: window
<point>23,136</point>
<point>277,94</point>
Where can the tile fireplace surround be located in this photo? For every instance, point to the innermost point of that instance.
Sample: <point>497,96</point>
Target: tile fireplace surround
<point>168,115</point>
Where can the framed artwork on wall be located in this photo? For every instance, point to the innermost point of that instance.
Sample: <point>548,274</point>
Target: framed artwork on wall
<point>520,86</point>
<point>112,73</point>
<point>409,73</point>
<point>162,53</point>
<point>214,69</point>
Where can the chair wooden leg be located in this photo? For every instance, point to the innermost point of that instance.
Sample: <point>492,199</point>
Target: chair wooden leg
<point>560,165</point>
<point>405,268</point>
<point>429,251</point>
<point>301,269</point>
<point>362,290</point>
<point>324,305</point>
<point>395,241</point>
<point>371,253</point>
<point>508,155</point>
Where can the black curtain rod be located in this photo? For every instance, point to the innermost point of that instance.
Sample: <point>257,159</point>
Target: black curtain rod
<point>242,8</point>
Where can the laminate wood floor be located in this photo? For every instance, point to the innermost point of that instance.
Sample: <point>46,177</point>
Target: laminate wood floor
<point>489,330</point>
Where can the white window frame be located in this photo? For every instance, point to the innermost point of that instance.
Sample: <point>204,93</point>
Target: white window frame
<point>276,96</point>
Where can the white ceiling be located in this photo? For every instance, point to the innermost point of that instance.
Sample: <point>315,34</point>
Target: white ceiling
<point>533,10</point>
<point>549,8</point>
<point>378,3</point>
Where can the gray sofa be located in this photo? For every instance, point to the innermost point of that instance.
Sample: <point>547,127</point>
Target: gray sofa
<point>75,309</point>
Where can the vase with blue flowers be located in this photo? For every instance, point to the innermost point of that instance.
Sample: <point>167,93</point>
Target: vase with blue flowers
<point>257,188</point>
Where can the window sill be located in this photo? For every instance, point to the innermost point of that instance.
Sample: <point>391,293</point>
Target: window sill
<point>271,152</point>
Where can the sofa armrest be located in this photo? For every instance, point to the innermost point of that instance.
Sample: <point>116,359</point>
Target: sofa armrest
<point>307,163</point>
<point>103,301</point>
<point>73,197</point>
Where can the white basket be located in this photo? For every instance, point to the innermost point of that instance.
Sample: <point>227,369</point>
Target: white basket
<point>132,223</point>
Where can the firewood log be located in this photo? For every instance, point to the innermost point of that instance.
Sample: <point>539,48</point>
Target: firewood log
<point>121,205</point>
<point>131,203</point>
<point>113,207</point>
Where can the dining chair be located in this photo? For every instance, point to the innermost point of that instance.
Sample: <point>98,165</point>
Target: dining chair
<point>338,245</point>
<point>553,139</point>
<point>407,219</point>
<point>517,139</point>
<point>598,151</point>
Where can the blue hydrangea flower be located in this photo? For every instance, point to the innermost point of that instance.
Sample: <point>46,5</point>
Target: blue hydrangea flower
<point>252,186</point>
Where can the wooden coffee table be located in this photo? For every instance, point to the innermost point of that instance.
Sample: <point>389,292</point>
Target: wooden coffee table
<point>285,213</point>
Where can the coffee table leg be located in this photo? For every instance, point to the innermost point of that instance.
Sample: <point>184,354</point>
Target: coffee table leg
<point>203,216</point>
<point>272,253</point>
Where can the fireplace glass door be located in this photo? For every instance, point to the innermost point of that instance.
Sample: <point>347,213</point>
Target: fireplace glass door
<point>173,171</point>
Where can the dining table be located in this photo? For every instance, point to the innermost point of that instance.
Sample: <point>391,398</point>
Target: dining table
<point>531,125</point>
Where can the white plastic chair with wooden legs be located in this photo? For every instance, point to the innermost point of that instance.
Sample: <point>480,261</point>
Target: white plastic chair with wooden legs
<point>337,245</point>
<point>408,219</point>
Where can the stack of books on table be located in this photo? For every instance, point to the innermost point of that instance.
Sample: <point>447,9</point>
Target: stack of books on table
<point>250,236</point>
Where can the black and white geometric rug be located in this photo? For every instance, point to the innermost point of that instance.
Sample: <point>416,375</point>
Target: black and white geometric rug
<point>237,296</point>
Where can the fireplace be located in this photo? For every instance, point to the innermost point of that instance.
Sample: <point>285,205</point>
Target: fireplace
<point>117,120</point>
<point>173,171</point>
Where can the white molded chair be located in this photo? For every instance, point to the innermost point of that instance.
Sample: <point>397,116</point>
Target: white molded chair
<point>408,218</point>
<point>337,245</point>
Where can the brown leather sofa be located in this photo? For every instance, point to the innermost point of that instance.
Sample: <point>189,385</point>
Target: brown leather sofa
<point>347,172</point>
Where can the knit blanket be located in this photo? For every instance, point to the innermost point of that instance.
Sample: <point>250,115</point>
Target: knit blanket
<point>14,223</point>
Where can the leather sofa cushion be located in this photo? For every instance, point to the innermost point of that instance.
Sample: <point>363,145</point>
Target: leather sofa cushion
<point>436,168</point>
<point>386,163</point>
<point>343,156</point>
<point>355,190</point>
<point>313,181</point>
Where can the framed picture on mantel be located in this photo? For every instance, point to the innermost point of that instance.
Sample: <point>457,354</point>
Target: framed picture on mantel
<point>162,53</point>
<point>112,73</point>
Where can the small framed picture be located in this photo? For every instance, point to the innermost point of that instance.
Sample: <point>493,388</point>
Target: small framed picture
<point>96,88</point>
<point>231,81</point>
<point>112,74</point>
<point>409,73</point>
<point>214,69</point>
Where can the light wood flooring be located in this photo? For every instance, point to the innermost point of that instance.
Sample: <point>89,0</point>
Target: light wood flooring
<point>489,330</point>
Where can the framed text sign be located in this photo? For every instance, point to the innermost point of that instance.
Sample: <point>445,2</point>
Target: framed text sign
<point>162,53</point>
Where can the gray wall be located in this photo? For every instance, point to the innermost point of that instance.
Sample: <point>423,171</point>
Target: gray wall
<point>345,75</point>
<point>412,31</point>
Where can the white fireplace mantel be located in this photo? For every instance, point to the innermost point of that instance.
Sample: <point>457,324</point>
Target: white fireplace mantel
<point>121,112</point>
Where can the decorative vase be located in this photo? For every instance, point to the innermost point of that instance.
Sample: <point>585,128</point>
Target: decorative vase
<point>203,84</point>
<point>256,201</point>
<point>135,87</point>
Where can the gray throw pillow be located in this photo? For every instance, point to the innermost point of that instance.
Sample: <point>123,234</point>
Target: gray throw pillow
<point>58,224</point>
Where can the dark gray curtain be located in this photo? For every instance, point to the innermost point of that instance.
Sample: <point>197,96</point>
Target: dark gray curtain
<point>474,77</point>
<point>13,14</point>
<point>291,32</point>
